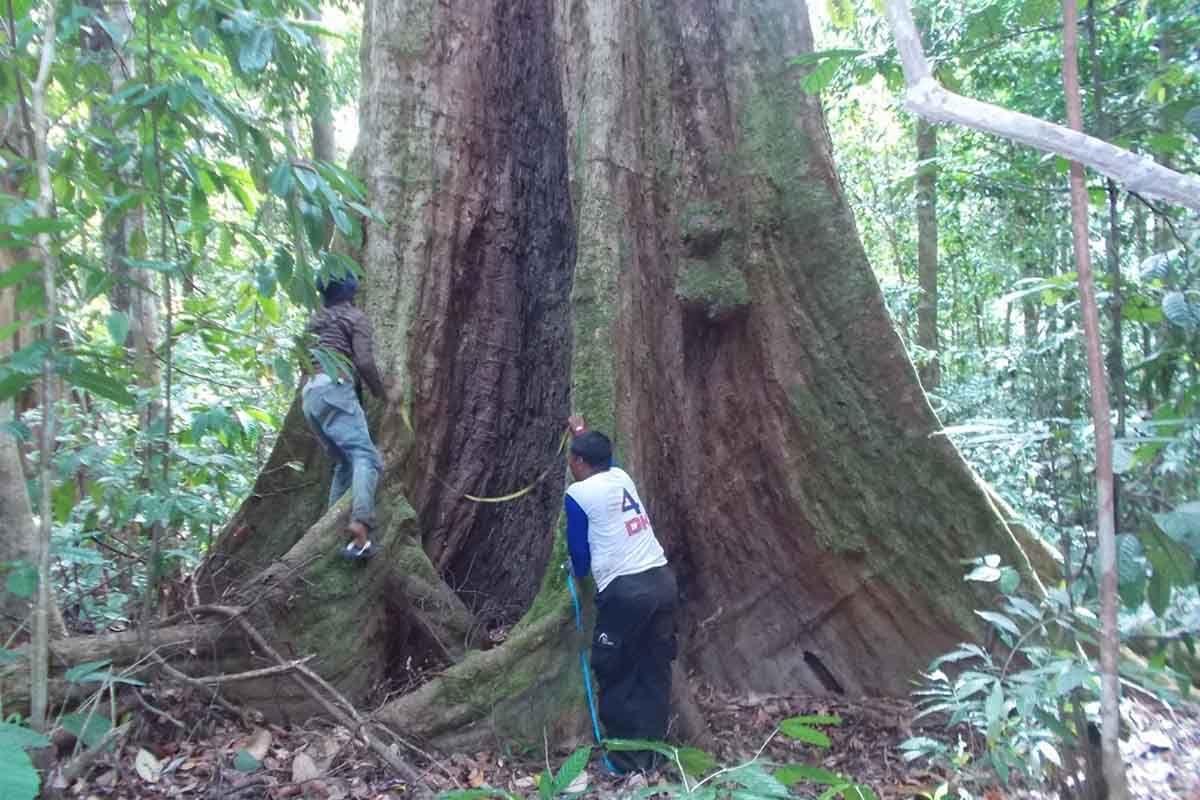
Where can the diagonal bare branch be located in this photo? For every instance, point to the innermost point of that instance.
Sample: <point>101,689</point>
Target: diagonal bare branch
<point>931,100</point>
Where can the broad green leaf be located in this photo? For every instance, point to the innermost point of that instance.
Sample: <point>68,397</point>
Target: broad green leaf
<point>755,779</point>
<point>625,745</point>
<point>18,778</point>
<point>794,729</point>
<point>816,719</point>
<point>81,672</point>
<point>281,181</point>
<point>118,327</point>
<point>244,762</point>
<point>994,708</point>
<point>794,773</point>
<point>22,580</point>
<point>90,730</point>
<point>62,500</point>
<point>101,385</point>
<point>256,50</point>
<point>13,275</point>
<point>572,768</point>
<point>1178,311</point>
<point>285,371</point>
<point>1010,579</point>
<point>1159,592</point>
<point>12,735</point>
<point>1000,621</point>
<point>696,762</point>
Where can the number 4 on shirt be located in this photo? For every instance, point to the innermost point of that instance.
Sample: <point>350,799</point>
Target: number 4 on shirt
<point>628,503</point>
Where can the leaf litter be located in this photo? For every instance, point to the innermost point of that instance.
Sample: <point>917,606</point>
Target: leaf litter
<point>327,762</point>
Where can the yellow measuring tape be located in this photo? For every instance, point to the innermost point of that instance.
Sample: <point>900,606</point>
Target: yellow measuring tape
<point>562,447</point>
<point>522,492</point>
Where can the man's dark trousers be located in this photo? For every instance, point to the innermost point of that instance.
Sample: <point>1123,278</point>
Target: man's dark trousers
<point>632,650</point>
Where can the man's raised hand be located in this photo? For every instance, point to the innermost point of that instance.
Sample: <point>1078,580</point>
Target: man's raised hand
<point>576,425</point>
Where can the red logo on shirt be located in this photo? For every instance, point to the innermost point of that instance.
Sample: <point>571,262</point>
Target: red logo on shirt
<point>636,525</point>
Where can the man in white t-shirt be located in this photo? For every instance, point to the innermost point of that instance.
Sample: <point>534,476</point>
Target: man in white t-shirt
<point>609,535</point>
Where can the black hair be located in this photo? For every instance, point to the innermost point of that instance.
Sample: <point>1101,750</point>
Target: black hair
<point>337,290</point>
<point>594,448</point>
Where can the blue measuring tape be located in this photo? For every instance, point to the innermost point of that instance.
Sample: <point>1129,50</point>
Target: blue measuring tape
<point>587,674</point>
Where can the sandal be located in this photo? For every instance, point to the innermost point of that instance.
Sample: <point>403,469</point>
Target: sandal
<point>352,552</point>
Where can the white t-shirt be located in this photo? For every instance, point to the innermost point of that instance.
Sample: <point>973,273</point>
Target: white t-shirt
<point>619,534</point>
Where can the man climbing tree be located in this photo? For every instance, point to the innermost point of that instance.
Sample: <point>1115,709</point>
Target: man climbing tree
<point>334,413</point>
<point>610,536</point>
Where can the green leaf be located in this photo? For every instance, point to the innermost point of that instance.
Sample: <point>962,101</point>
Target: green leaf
<point>22,580</point>
<point>18,778</point>
<point>244,762</point>
<point>626,745</point>
<point>101,385</point>
<point>63,500</point>
<point>816,719</point>
<point>572,768</point>
<point>341,220</point>
<point>1178,311</point>
<point>82,672</point>
<point>285,372</point>
<point>794,773</point>
<point>256,50</point>
<point>696,762</point>
<point>1159,592</point>
<point>118,327</point>
<point>794,729</point>
<point>17,273</point>
<point>1000,621</point>
<point>755,778</point>
<point>1010,579</point>
<point>842,13</point>
<point>89,729</point>
<point>1182,524</point>
<point>994,708</point>
<point>281,181</point>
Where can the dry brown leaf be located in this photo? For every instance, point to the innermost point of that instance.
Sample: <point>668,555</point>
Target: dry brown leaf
<point>475,778</point>
<point>259,744</point>
<point>147,766</point>
<point>304,768</point>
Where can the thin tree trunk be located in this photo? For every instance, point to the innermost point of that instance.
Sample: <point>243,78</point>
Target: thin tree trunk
<point>1110,688</point>
<point>320,104</point>
<point>40,654</point>
<point>927,252</point>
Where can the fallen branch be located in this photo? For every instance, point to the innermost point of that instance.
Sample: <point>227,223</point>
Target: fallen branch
<point>158,712</point>
<point>190,681</point>
<point>305,678</point>
<point>249,675</point>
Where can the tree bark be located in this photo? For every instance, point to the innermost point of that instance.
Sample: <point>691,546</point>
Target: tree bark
<point>927,252</point>
<point>657,171</point>
<point>320,105</point>
<point>1110,687</point>
<point>125,230</point>
<point>19,536</point>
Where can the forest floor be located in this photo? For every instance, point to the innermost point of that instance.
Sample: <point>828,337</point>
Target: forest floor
<point>161,759</point>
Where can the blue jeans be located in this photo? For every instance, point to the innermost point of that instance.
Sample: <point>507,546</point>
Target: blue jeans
<point>334,414</point>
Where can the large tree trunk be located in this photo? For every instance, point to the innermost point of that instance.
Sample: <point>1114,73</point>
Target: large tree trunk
<point>727,330</point>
